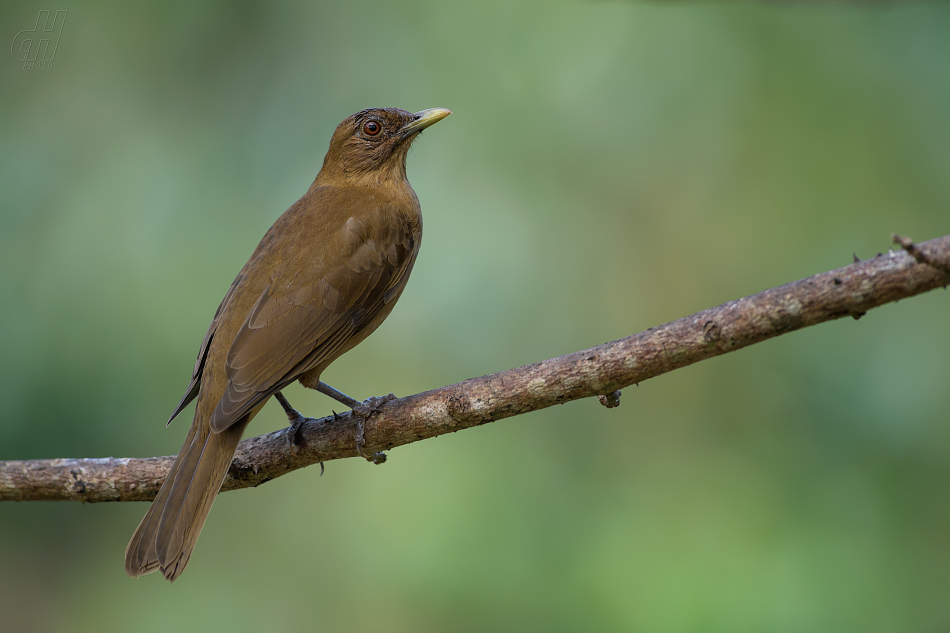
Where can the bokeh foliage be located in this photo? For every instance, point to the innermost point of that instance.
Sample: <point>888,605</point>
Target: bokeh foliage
<point>610,166</point>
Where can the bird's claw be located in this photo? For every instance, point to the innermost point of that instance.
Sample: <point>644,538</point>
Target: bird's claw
<point>368,407</point>
<point>294,437</point>
<point>363,411</point>
<point>296,419</point>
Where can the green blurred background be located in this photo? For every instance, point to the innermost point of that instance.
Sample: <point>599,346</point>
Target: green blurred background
<point>610,166</point>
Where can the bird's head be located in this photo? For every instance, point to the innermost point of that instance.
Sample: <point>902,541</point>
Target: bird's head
<point>372,144</point>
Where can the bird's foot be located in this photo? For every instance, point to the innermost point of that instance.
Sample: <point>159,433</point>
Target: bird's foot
<point>363,411</point>
<point>294,438</point>
<point>368,407</point>
<point>297,420</point>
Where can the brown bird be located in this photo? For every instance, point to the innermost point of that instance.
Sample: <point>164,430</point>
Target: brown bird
<point>324,277</point>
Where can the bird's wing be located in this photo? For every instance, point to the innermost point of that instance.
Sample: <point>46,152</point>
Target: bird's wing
<point>193,387</point>
<point>299,324</point>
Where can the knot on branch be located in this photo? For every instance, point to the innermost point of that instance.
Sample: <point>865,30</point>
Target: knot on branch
<point>610,400</point>
<point>711,331</point>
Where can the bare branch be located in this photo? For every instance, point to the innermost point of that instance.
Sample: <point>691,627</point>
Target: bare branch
<point>599,371</point>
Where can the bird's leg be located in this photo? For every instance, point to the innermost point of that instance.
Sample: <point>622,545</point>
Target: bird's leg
<point>363,410</point>
<point>296,420</point>
<point>337,395</point>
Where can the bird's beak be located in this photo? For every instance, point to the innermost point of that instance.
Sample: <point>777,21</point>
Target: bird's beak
<point>425,118</point>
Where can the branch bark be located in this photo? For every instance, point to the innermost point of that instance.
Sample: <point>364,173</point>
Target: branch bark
<point>599,371</point>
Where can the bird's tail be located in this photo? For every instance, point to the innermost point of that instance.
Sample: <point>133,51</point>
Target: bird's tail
<point>166,536</point>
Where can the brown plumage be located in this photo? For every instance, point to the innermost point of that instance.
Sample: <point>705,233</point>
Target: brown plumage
<point>324,277</point>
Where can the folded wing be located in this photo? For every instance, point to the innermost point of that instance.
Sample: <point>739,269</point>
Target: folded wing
<point>299,324</point>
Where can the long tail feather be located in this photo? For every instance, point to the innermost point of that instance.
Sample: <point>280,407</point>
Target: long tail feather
<point>167,534</point>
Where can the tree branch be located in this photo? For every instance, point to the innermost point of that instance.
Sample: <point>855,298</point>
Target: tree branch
<point>598,371</point>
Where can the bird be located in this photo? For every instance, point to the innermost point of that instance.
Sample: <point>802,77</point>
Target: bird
<point>322,279</point>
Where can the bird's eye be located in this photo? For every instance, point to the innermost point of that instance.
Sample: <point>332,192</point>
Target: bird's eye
<point>372,128</point>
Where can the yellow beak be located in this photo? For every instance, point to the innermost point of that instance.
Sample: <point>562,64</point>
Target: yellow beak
<point>424,119</point>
